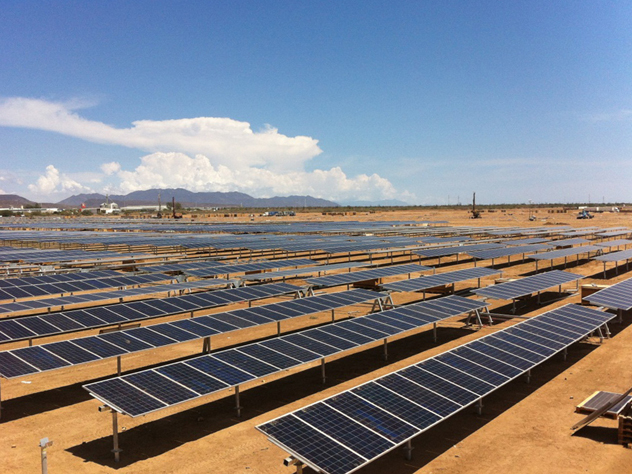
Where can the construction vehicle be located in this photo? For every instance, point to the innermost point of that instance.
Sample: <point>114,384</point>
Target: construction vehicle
<point>475,214</point>
<point>584,214</point>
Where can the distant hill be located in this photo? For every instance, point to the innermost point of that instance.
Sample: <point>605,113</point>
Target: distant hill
<point>8,200</point>
<point>192,199</point>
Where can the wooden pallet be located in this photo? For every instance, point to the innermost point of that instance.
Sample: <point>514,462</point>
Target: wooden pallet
<point>625,426</point>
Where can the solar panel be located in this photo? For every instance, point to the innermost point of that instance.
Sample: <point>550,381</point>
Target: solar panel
<point>617,296</point>
<point>234,366</point>
<point>567,252</point>
<point>447,251</point>
<point>413,399</point>
<point>439,279</point>
<point>528,285</point>
<point>29,327</point>
<point>507,252</point>
<point>364,275</point>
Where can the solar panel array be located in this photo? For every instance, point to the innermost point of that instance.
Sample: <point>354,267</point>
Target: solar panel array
<point>56,355</point>
<point>342,433</point>
<point>30,327</point>
<point>180,267</point>
<point>431,281</point>
<point>29,305</point>
<point>16,292</point>
<point>614,243</point>
<point>507,252</point>
<point>568,242</point>
<point>248,267</point>
<point>64,277</point>
<point>303,271</point>
<point>364,275</point>
<point>528,285</point>
<point>154,389</point>
<point>567,252</point>
<point>446,251</point>
<point>617,296</point>
<point>615,256</point>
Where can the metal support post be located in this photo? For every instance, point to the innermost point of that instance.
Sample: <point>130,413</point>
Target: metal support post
<point>565,353</point>
<point>434,332</point>
<point>116,450</point>
<point>528,376</point>
<point>333,317</point>
<point>408,451</point>
<point>322,370</point>
<point>278,328</point>
<point>118,365</point>
<point>206,345</point>
<point>385,349</point>
<point>479,407</point>
<point>237,405</point>
<point>44,444</point>
<point>538,297</point>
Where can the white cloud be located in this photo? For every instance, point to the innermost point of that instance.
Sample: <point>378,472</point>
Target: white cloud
<point>161,170</point>
<point>225,141</point>
<point>53,182</point>
<point>111,168</point>
<point>199,154</point>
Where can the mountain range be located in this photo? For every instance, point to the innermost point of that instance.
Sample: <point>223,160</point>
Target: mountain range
<point>193,199</point>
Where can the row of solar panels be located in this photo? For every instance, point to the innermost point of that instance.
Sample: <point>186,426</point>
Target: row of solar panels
<point>61,278</point>
<point>248,267</point>
<point>150,390</point>
<point>342,433</point>
<point>617,296</point>
<point>28,360</point>
<point>90,318</point>
<point>528,285</point>
<point>16,292</point>
<point>439,279</point>
<point>106,295</point>
<point>364,275</point>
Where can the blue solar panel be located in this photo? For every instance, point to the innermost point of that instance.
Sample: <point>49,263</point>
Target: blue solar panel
<point>380,421</point>
<point>12,366</point>
<point>191,378</point>
<point>159,387</point>
<point>329,339</point>
<point>71,352</point>
<point>356,436</point>
<point>290,350</point>
<point>220,370</point>
<point>272,357</point>
<point>393,403</point>
<point>40,358</point>
<point>245,362</point>
<point>324,453</point>
<point>127,398</point>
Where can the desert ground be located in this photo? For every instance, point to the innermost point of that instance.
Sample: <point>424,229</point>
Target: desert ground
<point>524,428</point>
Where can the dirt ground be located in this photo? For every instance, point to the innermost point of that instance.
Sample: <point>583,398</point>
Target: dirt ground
<point>525,427</point>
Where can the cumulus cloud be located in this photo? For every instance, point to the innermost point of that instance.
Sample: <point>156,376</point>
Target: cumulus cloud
<point>199,154</point>
<point>111,168</point>
<point>162,170</point>
<point>224,140</point>
<point>53,182</point>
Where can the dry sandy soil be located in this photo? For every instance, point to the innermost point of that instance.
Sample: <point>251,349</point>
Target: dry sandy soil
<point>525,428</point>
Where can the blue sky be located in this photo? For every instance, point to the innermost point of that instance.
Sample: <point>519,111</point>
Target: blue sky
<point>354,100</point>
